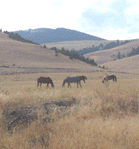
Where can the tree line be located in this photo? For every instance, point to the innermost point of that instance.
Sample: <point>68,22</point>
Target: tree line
<point>135,51</point>
<point>17,37</point>
<point>102,47</point>
<point>73,55</point>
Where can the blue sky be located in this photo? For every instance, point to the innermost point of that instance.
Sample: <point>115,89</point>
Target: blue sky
<point>109,19</point>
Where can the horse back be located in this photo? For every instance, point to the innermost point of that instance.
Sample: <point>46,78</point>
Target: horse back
<point>75,79</point>
<point>44,80</point>
<point>113,77</point>
<point>72,79</point>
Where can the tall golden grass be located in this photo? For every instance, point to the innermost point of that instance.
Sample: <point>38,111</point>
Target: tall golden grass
<point>104,116</point>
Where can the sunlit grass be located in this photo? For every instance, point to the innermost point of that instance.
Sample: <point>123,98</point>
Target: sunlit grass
<point>104,116</point>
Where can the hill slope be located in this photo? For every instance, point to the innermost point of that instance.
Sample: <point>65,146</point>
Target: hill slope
<point>109,58</point>
<point>128,65</point>
<point>104,56</point>
<point>77,45</point>
<point>19,57</point>
<point>45,35</point>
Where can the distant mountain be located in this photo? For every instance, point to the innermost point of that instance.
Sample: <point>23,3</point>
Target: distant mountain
<point>46,35</point>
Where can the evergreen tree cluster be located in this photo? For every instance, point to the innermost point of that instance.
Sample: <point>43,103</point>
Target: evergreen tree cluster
<point>135,51</point>
<point>102,47</point>
<point>120,56</point>
<point>17,37</point>
<point>74,55</point>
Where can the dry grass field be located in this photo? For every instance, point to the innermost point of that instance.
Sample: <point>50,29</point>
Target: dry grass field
<point>96,116</point>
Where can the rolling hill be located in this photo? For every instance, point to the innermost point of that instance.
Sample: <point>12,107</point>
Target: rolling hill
<point>128,65</point>
<point>77,45</point>
<point>109,58</point>
<point>20,57</point>
<point>104,56</point>
<point>46,35</point>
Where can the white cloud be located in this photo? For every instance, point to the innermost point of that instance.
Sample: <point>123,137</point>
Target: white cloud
<point>110,19</point>
<point>133,10</point>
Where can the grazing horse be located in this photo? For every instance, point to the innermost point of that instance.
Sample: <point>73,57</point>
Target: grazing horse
<point>111,77</point>
<point>83,78</point>
<point>74,79</point>
<point>44,80</point>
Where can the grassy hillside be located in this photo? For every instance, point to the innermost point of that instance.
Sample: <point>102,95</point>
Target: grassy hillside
<point>19,57</point>
<point>104,56</point>
<point>77,45</point>
<point>110,45</point>
<point>129,65</point>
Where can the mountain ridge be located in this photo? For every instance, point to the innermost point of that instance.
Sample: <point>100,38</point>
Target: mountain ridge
<point>47,35</point>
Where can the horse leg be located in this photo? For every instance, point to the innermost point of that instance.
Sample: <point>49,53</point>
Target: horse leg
<point>40,84</point>
<point>80,84</point>
<point>47,84</point>
<point>69,84</point>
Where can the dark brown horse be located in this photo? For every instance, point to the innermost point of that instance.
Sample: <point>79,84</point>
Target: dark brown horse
<point>111,77</point>
<point>83,78</point>
<point>45,80</point>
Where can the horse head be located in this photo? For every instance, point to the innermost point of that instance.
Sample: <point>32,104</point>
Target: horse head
<point>63,85</point>
<point>105,78</point>
<point>83,78</point>
<point>52,85</point>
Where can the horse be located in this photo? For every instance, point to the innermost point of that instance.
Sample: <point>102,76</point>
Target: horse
<point>83,78</point>
<point>111,77</point>
<point>74,79</point>
<point>47,80</point>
